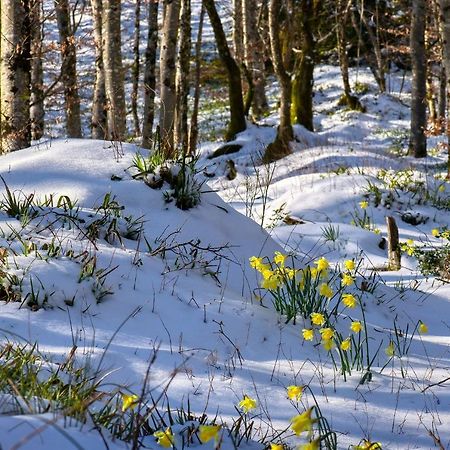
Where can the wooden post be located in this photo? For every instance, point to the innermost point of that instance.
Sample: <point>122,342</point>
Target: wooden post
<point>394,256</point>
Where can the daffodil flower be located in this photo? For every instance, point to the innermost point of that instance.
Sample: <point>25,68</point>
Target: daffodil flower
<point>294,392</point>
<point>279,259</point>
<point>345,344</point>
<point>308,334</point>
<point>317,318</point>
<point>364,204</point>
<point>327,333</point>
<point>208,432</point>
<point>255,262</point>
<point>435,232</point>
<point>349,300</point>
<point>347,280</point>
<point>164,438</point>
<point>303,422</point>
<point>390,349</point>
<point>356,326</point>
<point>129,401</point>
<point>423,329</point>
<point>367,445</point>
<point>325,290</point>
<point>349,264</point>
<point>328,344</point>
<point>247,403</point>
<point>313,445</point>
<point>322,264</point>
<point>276,446</point>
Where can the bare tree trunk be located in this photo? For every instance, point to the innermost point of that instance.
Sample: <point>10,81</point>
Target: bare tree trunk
<point>238,36</point>
<point>37,73</point>
<point>280,147</point>
<point>69,71</point>
<point>15,75</point>
<point>167,69</point>
<point>193,129</point>
<point>418,141</point>
<point>445,21</point>
<point>254,58</point>
<point>237,115</point>
<point>182,79</point>
<point>99,121</point>
<point>112,60</point>
<point>136,68</point>
<point>149,74</point>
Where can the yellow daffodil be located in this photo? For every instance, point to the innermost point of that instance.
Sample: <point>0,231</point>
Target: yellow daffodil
<point>308,334</point>
<point>294,392</point>
<point>255,262</point>
<point>279,259</point>
<point>327,333</point>
<point>276,446</point>
<point>367,445</point>
<point>208,432</point>
<point>442,188</point>
<point>345,344</point>
<point>349,300</point>
<point>328,344</point>
<point>247,403</point>
<point>271,281</point>
<point>129,401</point>
<point>410,242</point>
<point>390,349</point>
<point>423,329</point>
<point>303,422</point>
<point>364,204</point>
<point>317,319</point>
<point>325,290</point>
<point>435,232</point>
<point>347,280</point>
<point>164,438</point>
<point>356,326</point>
<point>349,264</point>
<point>313,445</point>
<point>314,272</point>
<point>322,264</point>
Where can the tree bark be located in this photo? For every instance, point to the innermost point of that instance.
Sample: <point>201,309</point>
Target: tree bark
<point>167,67</point>
<point>238,35</point>
<point>418,141</point>
<point>112,60</point>
<point>37,73</point>
<point>193,129</point>
<point>445,21</point>
<point>99,120</point>
<point>182,79</point>
<point>280,147</point>
<point>69,69</point>
<point>237,115</point>
<point>135,71</point>
<point>15,75</point>
<point>149,74</point>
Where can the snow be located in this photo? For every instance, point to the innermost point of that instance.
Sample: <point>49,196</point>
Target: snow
<point>206,323</point>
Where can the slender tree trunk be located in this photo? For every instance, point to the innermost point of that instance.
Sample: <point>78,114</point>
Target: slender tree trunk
<point>418,141</point>
<point>69,68</point>
<point>112,60</point>
<point>193,129</point>
<point>167,67</point>
<point>445,21</point>
<point>15,75</point>
<point>99,121</point>
<point>303,79</point>
<point>135,71</point>
<point>37,73</point>
<point>237,115</point>
<point>149,74</point>
<point>280,147</point>
<point>238,35</point>
<point>182,79</point>
<point>254,58</point>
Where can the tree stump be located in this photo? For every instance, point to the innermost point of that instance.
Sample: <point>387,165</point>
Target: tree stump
<point>394,255</point>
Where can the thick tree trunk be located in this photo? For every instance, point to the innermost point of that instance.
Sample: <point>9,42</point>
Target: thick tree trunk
<point>418,140</point>
<point>149,74</point>
<point>37,73</point>
<point>135,71</point>
<point>15,75</point>
<point>167,67</point>
<point>182,79</point>
<point>254,58</point>
<point>99,121</point>
<point>112,60</point>
<point>193,129</point>
<point>237,115</point>
<point>280,147</point>
<point>445,21</point>
<point>69,68</point>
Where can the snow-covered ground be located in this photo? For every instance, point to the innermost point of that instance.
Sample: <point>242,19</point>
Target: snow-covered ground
<point>138,276</point>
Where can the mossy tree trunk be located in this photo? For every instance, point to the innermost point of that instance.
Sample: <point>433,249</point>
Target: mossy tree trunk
<point>15,75</point>
<point>237,121</point>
